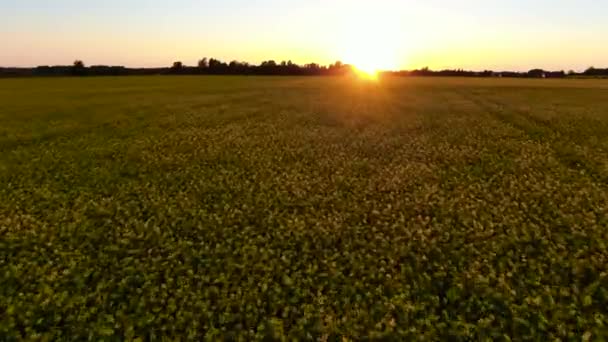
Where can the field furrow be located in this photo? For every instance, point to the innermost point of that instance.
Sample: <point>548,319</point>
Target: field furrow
<point>303,208</point>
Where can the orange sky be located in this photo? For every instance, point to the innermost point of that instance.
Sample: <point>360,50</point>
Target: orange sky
<point>387,34</point>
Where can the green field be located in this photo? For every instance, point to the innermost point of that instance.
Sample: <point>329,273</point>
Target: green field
<point>303,208</point>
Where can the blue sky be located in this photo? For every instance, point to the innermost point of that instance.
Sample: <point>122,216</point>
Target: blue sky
<point>475,34</point>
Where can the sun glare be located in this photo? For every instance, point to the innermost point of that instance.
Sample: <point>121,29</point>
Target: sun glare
<point>366,73</point>
<point>370,50</point>
<point>369,67</point>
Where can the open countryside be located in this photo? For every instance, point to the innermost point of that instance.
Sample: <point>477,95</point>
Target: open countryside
<point>309,208</point>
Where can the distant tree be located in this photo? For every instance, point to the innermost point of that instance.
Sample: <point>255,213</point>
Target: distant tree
<point>270,68</point>
<point>105,70</point>
<point>236,67</point>
<point>338,68</point>
<point>78,68</point>
<point>203,63</point>
<point>591,71</point>
<point>537,73</point>
<point>422,72</point>
<point>558,74</point>
<point>177,68</point>
<point>269,64</point>
<point>218,67</point>
<point>214,63</point>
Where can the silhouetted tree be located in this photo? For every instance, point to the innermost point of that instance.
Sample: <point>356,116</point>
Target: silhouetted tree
<point>239,68</point>
<point>537,73</point>
<point>213,63</point>
<point>105,70</point>
<point>177,68</point>
<point>270,67</point>
<point>217,67</point>
<point>556,74</point>
<point>269,64</point>
<point>591,71</point>
<point>78,68</point>
<point>339,68</point>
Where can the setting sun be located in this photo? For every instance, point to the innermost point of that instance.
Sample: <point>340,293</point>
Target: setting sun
<point>369,57</point>
<point>369,74</point>
<point>371,43</point>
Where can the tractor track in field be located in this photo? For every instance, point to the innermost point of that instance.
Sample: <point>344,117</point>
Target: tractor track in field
<point>566,153</point>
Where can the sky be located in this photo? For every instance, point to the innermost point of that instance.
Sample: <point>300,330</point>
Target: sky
<point>387,34</point>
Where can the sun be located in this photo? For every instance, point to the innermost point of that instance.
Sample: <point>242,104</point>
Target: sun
<point>368,74</point>
<point>370,39</point>
<point>365,68</point>
<point>369,54</point>
<point>369,63</point>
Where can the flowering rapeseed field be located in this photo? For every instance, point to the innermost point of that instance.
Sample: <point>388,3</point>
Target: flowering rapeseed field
<point>244,208</point>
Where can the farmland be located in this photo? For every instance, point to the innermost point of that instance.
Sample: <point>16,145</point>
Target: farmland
<point>303,208</point>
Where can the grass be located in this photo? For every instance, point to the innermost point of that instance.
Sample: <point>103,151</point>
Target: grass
<point>303,208</point>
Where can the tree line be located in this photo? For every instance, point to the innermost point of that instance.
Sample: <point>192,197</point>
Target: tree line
<point>212,66</point>
<point>205,66</point>
<point>534,73</point>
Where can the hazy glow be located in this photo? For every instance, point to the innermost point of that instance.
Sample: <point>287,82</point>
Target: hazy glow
<point>370,40</point>
<point>370,58</point>
<point>369,74</point>
<point>371,34</point>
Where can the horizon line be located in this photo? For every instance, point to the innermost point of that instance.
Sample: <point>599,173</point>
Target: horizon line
<point>279,63</point>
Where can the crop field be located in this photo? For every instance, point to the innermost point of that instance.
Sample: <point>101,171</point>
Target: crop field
<point>319,208</point>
